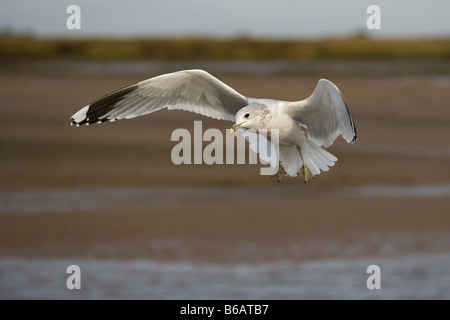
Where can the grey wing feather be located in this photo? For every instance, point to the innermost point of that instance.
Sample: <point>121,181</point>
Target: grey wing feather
<point>325,115</point>
<point>190,90</point>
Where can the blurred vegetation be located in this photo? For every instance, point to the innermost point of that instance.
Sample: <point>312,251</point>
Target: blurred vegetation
<point>362,48</point>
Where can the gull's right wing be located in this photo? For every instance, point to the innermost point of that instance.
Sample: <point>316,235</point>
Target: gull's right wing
<point>190,90</point>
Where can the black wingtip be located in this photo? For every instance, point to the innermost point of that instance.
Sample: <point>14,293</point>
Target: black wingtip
<point>87,122</point>
<point>355,135</point>
<point>97,110</point>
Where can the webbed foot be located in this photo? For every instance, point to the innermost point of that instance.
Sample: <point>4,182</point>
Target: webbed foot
<point>307,174</point>
<point>279,173</point>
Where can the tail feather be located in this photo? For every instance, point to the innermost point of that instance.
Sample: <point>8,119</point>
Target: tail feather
<point>290,160</point>
<point>316,158</point>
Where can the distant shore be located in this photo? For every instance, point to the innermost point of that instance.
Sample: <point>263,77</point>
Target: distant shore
<point>243,48</point>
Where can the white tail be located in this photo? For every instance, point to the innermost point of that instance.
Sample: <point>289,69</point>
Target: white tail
<point>290,160</point>
<point>316,158</point>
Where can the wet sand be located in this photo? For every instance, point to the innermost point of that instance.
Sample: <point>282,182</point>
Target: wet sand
<point>404,138</point>
<point>243,229</point>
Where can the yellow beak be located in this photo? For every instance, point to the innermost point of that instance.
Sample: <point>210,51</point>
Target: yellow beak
<point>236,126</point>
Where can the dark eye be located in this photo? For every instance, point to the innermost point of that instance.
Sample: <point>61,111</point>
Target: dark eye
<point>247,115</point>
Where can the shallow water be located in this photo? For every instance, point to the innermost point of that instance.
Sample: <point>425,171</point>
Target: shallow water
<point>402,277</point>
<point>405,274</point>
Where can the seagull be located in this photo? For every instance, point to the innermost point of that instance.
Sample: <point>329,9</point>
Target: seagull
<point>324,115</point>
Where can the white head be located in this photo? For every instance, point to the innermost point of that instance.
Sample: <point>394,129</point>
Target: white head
<point>254,116</point>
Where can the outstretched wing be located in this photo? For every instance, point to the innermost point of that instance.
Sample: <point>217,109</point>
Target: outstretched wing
<point>190,90</point>
<point>324,114</point>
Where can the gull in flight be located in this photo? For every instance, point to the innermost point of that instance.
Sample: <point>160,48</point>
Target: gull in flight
<point>324,114</point>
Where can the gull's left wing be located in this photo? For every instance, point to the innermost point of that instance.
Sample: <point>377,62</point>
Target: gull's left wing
<point>324,114</point>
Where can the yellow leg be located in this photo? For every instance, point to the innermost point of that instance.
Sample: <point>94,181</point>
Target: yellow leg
<point>307,174</point>
<point>280,170</point>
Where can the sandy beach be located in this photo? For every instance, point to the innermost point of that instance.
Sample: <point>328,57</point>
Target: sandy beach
<point>111,193</point>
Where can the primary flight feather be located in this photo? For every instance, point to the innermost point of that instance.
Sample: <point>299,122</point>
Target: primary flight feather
<point>324,114</point>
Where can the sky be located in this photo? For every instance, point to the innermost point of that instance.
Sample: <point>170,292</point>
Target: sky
<point>227,18</point>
